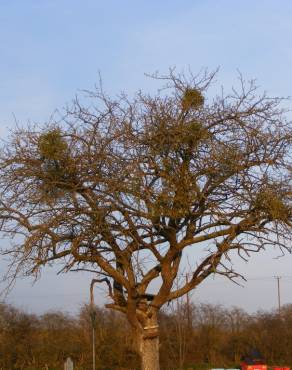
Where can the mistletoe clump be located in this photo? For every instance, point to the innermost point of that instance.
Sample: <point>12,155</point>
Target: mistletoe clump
<point>52,145</point>
<point>272,205</point>
<point>56,174</point>
<point>192,99</point>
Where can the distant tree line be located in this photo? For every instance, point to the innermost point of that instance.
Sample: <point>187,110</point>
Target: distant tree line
<point>200,336</point>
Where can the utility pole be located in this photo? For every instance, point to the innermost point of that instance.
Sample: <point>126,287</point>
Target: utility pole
<point>279,293</point>
<point>93,314</point>
<point>188,306</point>
<point>93,319</point>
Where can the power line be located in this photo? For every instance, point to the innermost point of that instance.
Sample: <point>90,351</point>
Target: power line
<point>251,278</point>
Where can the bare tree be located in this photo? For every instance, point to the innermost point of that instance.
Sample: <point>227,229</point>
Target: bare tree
<point>122,187</point>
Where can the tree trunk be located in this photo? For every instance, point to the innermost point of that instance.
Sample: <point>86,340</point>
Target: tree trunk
<point>147,341</point>
<point>149,352</point>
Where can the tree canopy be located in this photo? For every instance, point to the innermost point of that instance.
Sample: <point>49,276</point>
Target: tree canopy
<point>121,187</point>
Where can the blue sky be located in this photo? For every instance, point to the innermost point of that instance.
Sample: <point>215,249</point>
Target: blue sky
<point>50,49</point>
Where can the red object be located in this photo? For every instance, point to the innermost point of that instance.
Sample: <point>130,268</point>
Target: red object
<point>245,366</point>
<point>281,368</point>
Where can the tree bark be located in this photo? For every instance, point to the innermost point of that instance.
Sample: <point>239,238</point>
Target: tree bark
<point>149,352</point>
<point>147,341</point>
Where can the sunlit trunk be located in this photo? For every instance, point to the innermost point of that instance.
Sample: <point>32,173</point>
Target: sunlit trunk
<point>150,354</point>
<point>148,346</point>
